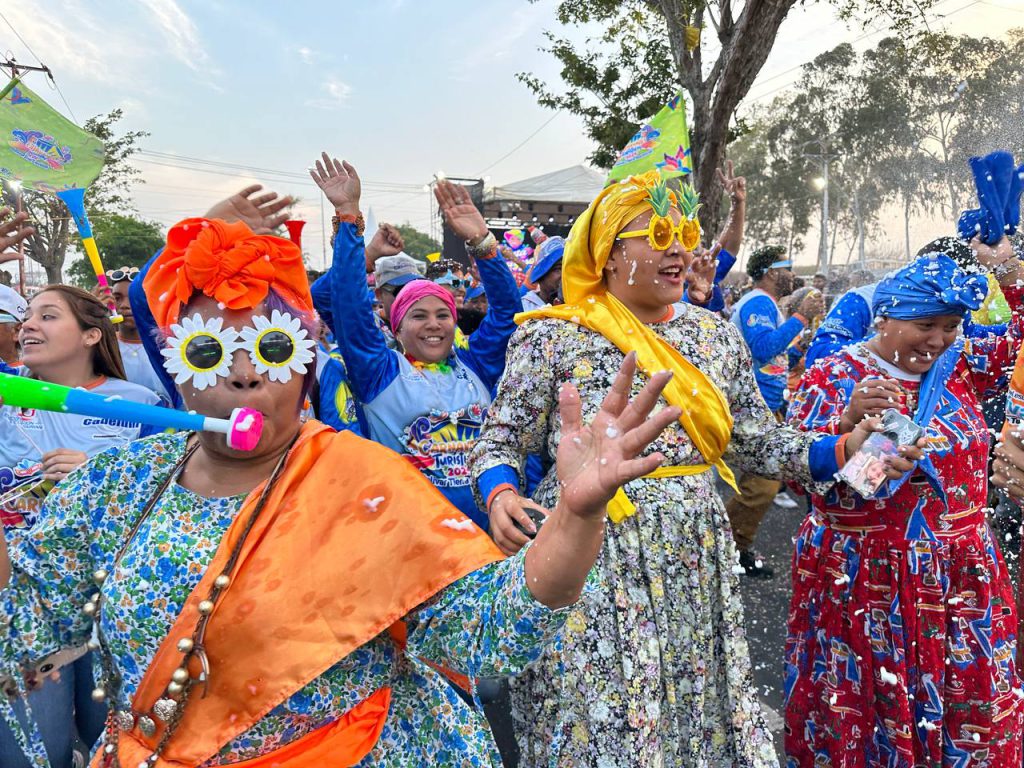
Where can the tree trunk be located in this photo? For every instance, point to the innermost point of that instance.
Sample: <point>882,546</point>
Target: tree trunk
<point>53,273</point>
<point>746,43</point>
<point>906,224</point>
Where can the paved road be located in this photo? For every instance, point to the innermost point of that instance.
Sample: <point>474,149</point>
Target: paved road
<point>766,602</point>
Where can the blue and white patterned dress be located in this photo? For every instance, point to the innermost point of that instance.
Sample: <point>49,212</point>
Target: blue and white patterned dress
<point>486,624</point>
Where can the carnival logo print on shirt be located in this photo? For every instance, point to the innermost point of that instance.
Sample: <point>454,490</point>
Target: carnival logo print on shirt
<point>22,490</point>
<point>439,444</point>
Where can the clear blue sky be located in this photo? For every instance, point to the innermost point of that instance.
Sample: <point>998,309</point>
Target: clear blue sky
<point>401,89</point>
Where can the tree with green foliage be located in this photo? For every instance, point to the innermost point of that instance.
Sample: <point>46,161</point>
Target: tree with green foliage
<point>645,54</point>
<point>417,244</point>
<point>124,241</point>
<point>107,195</point>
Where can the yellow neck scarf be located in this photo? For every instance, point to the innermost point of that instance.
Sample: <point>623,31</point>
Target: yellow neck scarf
<point>706,417</point>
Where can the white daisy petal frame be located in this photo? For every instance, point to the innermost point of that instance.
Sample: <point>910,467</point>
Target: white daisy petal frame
<point>186,330</point>
<point>302,345</point>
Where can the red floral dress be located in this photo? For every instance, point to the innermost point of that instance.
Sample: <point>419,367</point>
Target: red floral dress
<point>902,626</point>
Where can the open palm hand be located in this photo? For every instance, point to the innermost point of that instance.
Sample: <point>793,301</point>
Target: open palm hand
<point>461,216</point>
<point>595,460</point>
<point>263,213</point>
<point>339,182</point>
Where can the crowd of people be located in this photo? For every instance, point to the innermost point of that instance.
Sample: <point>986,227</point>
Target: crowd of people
<point>508,466</point>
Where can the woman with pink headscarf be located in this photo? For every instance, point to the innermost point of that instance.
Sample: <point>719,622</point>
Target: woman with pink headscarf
<point>428,400</point>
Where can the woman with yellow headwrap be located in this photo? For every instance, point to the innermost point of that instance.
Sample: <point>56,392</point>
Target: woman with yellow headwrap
<point>653,667</point>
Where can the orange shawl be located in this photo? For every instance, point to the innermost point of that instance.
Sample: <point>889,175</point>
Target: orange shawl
<point>350,541</point>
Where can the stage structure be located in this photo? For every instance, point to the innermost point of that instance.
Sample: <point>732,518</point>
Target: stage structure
<point>551,202</point>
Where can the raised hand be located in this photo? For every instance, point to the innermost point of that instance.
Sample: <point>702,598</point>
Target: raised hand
<point>339,182</point>
<point>594,461</point>
<point>700,279</point>
<point>263,213</point>
<point>12,232</point>
<point>735,186</point>
<point>459,213</point>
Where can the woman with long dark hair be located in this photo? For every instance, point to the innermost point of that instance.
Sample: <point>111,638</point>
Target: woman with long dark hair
<point>66,338</point>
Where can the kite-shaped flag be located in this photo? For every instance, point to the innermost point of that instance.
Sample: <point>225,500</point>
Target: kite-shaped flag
<point>45,152</point>
<point>663,144</point>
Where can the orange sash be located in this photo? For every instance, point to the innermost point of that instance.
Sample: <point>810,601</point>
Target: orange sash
<point>352,538</point>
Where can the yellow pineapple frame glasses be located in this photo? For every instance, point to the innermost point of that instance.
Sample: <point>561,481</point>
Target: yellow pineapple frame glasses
<point>661,231</point>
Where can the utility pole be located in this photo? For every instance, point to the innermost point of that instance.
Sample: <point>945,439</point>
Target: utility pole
<point>14,187</point>
<point>822,183</point>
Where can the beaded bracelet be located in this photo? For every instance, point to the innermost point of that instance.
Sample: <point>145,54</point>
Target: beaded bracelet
<point>348,218</point>
<point>485,249</point>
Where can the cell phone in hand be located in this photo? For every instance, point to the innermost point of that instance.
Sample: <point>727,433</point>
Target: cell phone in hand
<point>865,470</point>
<point>536,516</point>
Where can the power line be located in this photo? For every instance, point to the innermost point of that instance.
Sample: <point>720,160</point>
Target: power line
<point>518,146</point>
<point>49,74</point>
<point>858,39</point>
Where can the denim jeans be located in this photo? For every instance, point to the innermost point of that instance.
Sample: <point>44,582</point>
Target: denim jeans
<point>66,714</point>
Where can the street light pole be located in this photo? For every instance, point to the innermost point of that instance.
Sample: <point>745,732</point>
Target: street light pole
<point>823,249</point>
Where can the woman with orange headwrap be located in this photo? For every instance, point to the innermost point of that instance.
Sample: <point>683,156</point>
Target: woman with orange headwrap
<point>653,668</point>
<point>287,606</point>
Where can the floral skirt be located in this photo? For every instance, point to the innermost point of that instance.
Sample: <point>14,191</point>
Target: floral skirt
<point>653,669</point>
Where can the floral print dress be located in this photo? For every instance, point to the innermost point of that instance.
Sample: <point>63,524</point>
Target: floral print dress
<point>486,624</point>
<point>653,667</point>
<point>902,627</point>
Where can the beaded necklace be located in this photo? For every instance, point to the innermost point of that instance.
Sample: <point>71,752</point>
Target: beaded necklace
<point>170,708</point>
<point>442,367</point>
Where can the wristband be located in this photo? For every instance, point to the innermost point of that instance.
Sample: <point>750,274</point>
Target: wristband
<point>485,249</point>
<point>348,218</point>
<point>500,489</point>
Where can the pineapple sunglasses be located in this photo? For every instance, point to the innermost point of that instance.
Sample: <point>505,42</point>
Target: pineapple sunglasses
<point>661,231</point>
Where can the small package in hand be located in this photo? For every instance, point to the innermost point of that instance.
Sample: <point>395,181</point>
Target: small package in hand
<point>865,470</point>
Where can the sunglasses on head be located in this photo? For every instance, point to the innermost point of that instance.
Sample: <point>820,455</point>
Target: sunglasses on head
<point>119,275</point>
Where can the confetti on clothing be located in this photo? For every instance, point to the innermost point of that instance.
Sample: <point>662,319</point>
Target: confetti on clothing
<point>653,667</point>
<point>486,624</point>
<point>902,626</point>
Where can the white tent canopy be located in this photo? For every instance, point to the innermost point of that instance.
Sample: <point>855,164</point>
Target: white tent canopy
<point>578,184</point>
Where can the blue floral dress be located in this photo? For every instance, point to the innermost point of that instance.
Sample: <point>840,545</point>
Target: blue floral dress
<point>486,624</point>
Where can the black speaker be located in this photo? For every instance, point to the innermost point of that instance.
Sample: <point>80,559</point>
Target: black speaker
<point>452,246</point>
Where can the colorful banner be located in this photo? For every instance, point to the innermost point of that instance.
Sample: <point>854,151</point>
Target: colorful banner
<point>663,144</point>
<point>42,149</point>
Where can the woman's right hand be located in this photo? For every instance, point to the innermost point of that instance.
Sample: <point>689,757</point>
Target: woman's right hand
<point>507,508</point>
<point>870,398</point>
<point>339,182</point>
<point>895,466</point>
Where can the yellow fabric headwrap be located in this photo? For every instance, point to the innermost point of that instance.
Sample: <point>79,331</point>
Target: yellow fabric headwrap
<point>706,417</point>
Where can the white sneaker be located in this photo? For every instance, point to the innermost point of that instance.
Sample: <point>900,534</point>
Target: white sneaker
<point>782,499</point>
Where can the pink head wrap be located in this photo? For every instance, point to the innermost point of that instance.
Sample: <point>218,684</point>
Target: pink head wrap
<point>413,292</point>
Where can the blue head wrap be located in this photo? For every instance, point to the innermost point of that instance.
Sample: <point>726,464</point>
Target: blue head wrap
<point>474,293</point>
<point>930,285</point>
<point>999,186</point>
<point>549,253</point>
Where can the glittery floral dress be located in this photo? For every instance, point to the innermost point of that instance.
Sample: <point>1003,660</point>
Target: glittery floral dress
<point>653,667</point>
<point>902,628</point>
<point>486,624</point>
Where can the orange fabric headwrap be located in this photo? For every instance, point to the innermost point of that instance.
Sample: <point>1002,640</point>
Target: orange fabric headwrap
<point>227,262</point>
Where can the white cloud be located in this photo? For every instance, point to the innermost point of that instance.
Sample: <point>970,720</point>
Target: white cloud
<point>306,54</point>
<point>527,20</point>
<point>81,47</point>
<point>180,32</point>
<point>337,92</point>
